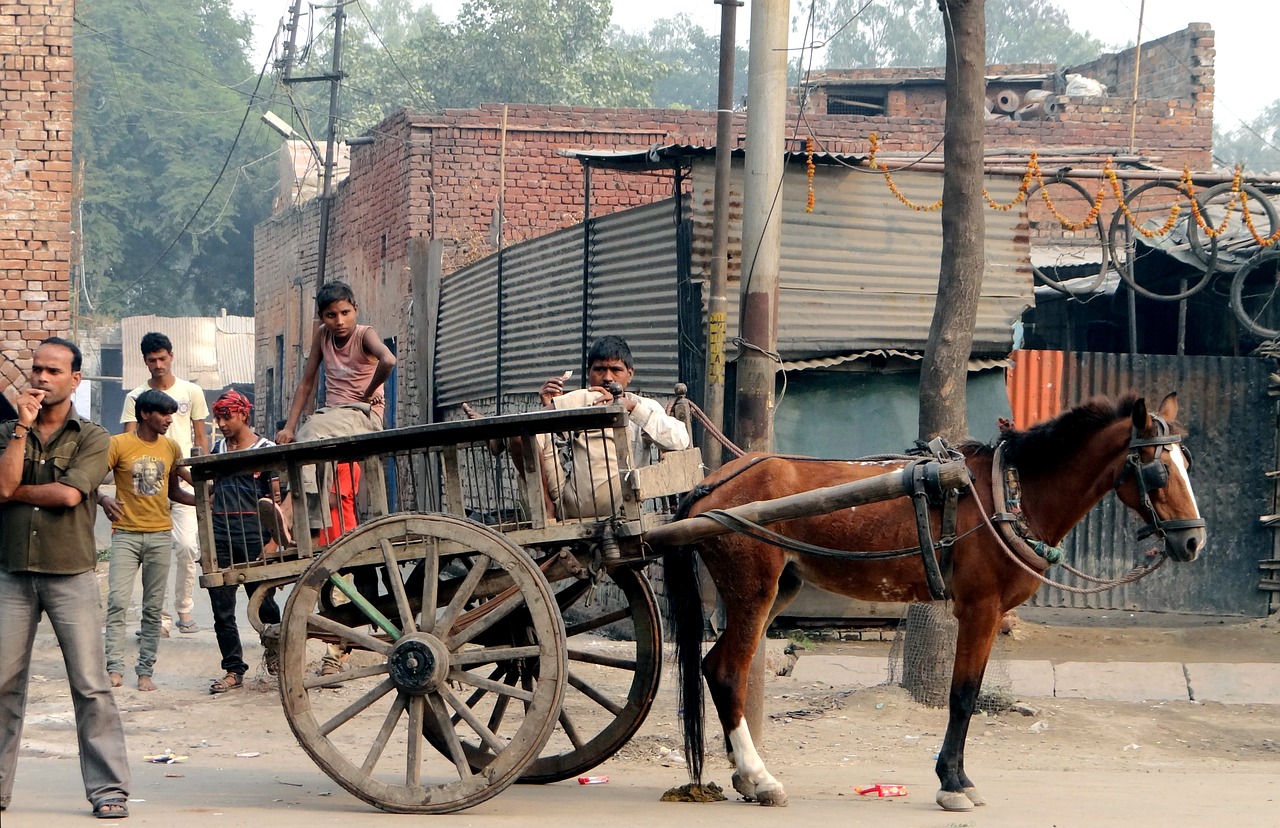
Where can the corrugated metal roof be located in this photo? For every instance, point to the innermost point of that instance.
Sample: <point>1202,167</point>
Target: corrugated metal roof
<point>211,351</point>
<point>861,271</point>
<point>978,364</point>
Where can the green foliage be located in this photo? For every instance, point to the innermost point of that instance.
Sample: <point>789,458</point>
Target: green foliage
<point>161,91</point>
<point>687,63</point>
<point>1256,145</point>
<point>497,51</point>
<point>910,33</point>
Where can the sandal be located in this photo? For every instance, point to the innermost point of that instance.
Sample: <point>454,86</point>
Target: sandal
<point>229,682</point>
<point>187,626</point>
<point>116,807</point>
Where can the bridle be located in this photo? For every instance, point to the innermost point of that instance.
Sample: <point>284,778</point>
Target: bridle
<point>1153,476</point>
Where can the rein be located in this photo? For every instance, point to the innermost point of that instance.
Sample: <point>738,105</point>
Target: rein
<point>1008,528</point>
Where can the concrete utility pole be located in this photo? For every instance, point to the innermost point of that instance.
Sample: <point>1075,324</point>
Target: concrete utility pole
<point>717,303</point>
<point>334,79</point>
<point>761,255</point>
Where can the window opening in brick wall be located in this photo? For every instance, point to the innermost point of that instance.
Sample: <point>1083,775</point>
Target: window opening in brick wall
<point>857,100</point>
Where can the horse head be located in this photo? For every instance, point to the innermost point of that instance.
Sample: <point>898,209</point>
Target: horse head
<point>1156,481</point>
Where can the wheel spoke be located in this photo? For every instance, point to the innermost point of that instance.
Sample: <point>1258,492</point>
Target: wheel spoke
<point>352,710</point>
<point>571,730</point>
<point>486,735</point>
<point>450,736</point>
<point>413,755</point>
<point>485,616</point>
<point>430,583</point>
<point>585,657</point>
<point>590,624</point>
<point>580,684</point>
<point>322,624</point>
<point>397,587</point>
<point>490,655</point>
<point>465,591</point>
<point>384,734</point>
<point>463,677</point>
<point>311,682</point>
<point>501,703</point>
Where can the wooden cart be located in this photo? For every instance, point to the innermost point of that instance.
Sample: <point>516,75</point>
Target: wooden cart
<point>472,613</point>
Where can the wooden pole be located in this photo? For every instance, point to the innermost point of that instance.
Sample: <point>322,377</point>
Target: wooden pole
<point>954,474</point>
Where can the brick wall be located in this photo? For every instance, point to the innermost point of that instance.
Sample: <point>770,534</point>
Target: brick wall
<point>35,173</point>
<point>437,176</point>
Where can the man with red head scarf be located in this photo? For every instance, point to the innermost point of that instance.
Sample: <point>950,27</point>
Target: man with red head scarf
<point>237,533</point>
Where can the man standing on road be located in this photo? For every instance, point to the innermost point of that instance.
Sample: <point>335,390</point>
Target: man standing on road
<point>50,465</point>
<point>188,430</point>
<point>143,466</point>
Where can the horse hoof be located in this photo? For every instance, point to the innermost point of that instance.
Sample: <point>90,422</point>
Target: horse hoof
<point>954,801</point>
<point>975,797</point>
<point>744,787</point>
<point>776,798</point>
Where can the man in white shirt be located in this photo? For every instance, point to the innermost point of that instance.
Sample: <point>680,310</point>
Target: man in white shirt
<point>188,429</point>
<point>581,475</point>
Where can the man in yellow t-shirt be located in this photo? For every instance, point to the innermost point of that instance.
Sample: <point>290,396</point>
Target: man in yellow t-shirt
<point>142,464</point>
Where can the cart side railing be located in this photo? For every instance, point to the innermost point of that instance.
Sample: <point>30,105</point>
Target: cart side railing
<point>506,472</point>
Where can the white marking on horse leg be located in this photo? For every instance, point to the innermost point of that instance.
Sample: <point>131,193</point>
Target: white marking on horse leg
<point>750,778</point>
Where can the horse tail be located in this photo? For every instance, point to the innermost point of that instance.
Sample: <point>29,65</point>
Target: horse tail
<point>684,608</point>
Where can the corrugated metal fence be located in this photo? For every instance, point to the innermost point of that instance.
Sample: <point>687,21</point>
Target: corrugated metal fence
<point>1231,424</point>
<point>558,293</point>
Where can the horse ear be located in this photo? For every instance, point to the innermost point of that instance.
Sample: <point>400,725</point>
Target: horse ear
<point>1141,420</point>
<point>1169,407</point>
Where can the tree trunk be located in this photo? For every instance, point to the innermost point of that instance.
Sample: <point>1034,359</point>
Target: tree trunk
<point>946,357</point>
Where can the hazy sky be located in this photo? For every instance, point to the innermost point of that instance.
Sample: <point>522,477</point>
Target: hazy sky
<point>1245,33</point>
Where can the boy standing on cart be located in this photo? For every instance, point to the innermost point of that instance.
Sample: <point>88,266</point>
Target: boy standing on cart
<point>356,364</point>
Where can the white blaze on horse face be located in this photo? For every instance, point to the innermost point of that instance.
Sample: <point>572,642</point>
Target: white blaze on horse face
<point>742,752</point>
<point>1180,463</point>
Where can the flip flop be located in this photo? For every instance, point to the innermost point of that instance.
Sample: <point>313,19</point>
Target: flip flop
<point>229,682</point>
<point>118,805</point>
<point>187,626</point>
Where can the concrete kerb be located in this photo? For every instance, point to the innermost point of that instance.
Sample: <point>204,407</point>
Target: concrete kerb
<point>1102,681</point>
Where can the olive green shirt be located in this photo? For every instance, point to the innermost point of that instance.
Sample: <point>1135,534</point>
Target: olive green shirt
<point>55,541</point>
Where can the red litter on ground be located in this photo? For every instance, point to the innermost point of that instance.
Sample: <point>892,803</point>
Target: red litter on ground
<point>592,780</point>
<point>882,791</point>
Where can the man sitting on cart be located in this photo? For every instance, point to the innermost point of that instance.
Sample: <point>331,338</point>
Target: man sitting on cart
<point>581,470</point>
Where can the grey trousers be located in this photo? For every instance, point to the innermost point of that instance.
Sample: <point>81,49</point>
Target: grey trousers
<point>71,602</point>
<point>131,551</point>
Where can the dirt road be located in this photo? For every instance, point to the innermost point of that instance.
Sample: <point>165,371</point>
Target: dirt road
<point>1076,763</point>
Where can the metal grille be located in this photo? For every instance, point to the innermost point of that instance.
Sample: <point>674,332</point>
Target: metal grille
<point>924,652</point>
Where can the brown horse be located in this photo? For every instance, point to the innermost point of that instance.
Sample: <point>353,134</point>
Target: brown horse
<point>1063,468</point>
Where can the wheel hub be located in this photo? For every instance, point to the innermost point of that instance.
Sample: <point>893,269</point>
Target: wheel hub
<point>418,664</point>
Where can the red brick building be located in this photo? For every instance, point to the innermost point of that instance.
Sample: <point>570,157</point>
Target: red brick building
<point>35,177</point>
<point>423,195</point>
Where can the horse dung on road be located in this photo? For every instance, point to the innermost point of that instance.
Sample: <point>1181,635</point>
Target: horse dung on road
<point>1027,491</point>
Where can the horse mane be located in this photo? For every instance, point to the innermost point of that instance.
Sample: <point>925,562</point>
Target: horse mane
<point>1046,445</point>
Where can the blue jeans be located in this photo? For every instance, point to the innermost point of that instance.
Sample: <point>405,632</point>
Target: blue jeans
<point>131,551</point>
<point>71,602</point>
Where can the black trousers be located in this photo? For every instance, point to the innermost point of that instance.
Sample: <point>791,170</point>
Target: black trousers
<point>238,541</point>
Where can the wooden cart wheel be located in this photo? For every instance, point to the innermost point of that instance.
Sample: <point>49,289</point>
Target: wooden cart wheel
<point>416,630</point>
<point>615,663</point>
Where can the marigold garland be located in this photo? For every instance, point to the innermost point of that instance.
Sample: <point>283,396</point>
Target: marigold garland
<point>810,168</point>
<point>1035,174</point>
